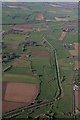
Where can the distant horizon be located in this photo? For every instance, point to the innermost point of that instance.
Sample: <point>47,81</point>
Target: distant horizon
<point>39,0</point>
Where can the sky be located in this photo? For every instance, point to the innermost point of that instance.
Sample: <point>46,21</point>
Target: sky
<point>39,0</point>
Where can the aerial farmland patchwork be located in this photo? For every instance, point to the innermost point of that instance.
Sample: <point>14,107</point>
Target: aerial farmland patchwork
<point>40,60</point>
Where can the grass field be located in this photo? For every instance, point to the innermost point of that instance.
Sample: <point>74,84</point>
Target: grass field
<point>14,38</point>
<point>41,69</point>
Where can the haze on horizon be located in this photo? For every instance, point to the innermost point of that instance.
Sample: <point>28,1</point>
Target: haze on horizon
<point>39,0</point>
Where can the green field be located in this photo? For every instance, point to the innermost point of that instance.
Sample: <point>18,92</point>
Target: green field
<point>41,69</point>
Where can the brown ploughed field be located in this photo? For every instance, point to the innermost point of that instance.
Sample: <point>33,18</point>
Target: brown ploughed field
<point>39,17</point>
<point>73,52</point>
<point>73,25</point>
<point>62,37</point>
<point>23,28</point>
<point>8,106</point>
<point>21,92</point>
<point>17,95</point>
<point>77,46</point>
<point>12,46</point>
<point>40,52</point>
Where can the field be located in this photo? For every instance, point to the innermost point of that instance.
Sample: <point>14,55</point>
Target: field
<point>77,46</point>
<point>9,105</point>
<point>73,25</point>
<point>73,52</point>
<point>76,51</point>
<point>62,37</point>
<point>40,50</point>
<point>39,17</point>
<point>24,28</point>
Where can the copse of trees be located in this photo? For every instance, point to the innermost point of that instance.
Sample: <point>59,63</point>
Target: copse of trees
<point>6,57</point>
